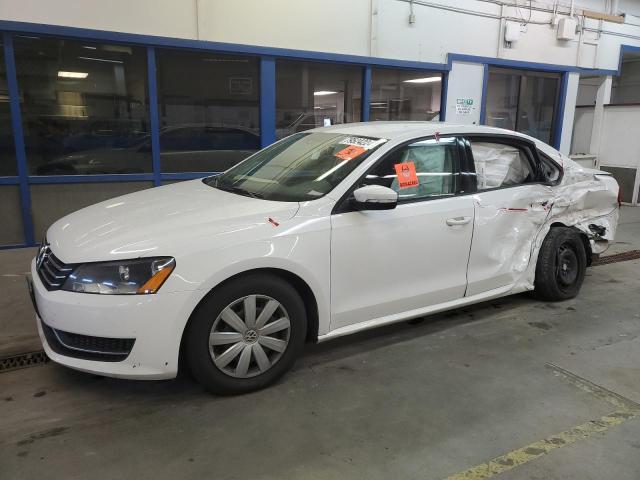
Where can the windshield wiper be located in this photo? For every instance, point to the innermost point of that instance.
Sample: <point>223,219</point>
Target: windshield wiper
<point>239,191</point>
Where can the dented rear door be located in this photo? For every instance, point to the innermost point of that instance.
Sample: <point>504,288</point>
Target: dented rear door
<point>508,212</point>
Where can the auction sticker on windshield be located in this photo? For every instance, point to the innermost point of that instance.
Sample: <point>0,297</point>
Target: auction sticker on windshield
<point>352,151</point>
<point>365,143</point>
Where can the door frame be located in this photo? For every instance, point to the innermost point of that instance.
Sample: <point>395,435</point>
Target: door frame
<point>463,184</point>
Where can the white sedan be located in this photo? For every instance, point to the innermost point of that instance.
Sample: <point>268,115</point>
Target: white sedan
<point>322,234</point>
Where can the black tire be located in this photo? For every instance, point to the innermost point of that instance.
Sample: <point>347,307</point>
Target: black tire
<point>197,349</point>
<point>561,267</point>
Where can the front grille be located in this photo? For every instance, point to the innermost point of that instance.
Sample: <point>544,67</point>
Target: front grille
<point>52,271</point>
<point>86,347</point>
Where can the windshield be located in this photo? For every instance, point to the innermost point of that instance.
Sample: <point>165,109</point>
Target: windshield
<point>304,166</point>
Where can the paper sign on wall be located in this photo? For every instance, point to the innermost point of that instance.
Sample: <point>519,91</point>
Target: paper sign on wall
<point>464,106</point>
<point>407,176</point>
<point>352,151</point>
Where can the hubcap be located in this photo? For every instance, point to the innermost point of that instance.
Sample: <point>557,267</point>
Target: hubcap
<point>566,266</point>
<point>249,336</point>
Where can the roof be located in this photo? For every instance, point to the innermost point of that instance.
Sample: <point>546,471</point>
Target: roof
<point>398,130</point>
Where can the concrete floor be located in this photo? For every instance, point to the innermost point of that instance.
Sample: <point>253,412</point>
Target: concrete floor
<point>419,401</point>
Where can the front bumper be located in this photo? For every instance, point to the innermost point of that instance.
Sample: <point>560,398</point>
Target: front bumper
<point>146,329</point>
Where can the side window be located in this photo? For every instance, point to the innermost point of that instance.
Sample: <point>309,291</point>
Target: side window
<point>549,171</point>
<point>500,165</point>
<point>423,169</point>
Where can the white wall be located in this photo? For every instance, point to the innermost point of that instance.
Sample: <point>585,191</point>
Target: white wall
<point>465,82</point>
<point>623,124</point>
<point>360,27</point>
<point>583,123</point>
<point>587,90</point>
<point>167,18</point>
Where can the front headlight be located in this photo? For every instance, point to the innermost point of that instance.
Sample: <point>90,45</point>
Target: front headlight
<point>124,277</point>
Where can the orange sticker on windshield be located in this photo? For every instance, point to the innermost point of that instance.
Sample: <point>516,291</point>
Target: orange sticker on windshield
<point>407,176</point>
<point>351,152</point>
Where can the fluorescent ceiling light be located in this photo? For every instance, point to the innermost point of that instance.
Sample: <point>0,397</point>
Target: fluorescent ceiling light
<point>63,74</point>
<point>424,80</point>
<point>89,48</point>
<point>320,93</point>
<point>100,60</point>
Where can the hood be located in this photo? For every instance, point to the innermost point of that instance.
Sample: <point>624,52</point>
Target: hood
<point>158,221</point>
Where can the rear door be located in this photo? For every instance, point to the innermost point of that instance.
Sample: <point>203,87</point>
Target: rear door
<point>512,201</point>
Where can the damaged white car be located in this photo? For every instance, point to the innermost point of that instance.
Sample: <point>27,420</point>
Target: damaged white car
<point>322,234</point>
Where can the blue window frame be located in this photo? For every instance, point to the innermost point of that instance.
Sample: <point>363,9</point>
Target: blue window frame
<point>19,176</point>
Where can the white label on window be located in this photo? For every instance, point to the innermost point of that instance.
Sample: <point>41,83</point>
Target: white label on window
<point>366,143</point>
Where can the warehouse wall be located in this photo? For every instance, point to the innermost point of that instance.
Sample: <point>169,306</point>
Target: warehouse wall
<point>399,59</point>
<point>360,27</point>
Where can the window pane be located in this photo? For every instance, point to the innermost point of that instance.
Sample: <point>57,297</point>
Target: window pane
<point>7,149</point>
<point>537,107</point>
<point>84,106</point>
<point>523,101</point>
<point>503,90</point>
<point>432,162</point>
<point>209,108</point>
<point>625,86</point>
<point>405,95</point>
<point>11,215</point>
<point>310,95</point>
<point>52,202</point>
<point>500,165</point>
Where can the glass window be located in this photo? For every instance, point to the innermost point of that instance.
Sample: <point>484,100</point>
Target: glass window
<point>301,167</point>
<point>503,91</point>
<point>500,165</point>
<point>84,106</point>
<point>624,89</point>
<point>522,101</point>
<point>549,170</point>
<point>11,215</point>
<point>209,109</point>
<point>310,95</point>
<point>8,165</point>
<point>52,202</point>
<point>405,95</point>
<point>431,164</point>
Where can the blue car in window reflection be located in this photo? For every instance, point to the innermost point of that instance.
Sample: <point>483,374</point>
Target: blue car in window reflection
<point>185,148</point>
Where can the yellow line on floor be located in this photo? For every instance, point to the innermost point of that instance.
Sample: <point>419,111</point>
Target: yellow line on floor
<point>627,410</point>
<point>535,450</point>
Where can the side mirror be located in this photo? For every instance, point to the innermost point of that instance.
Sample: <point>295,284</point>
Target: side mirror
<point>375,197</point>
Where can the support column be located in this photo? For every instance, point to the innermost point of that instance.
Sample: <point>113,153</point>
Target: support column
<point>267,101</point>
<point>18,139</point>
<point>571,96</point>
<point>154,116</point>
<point>603,97</point>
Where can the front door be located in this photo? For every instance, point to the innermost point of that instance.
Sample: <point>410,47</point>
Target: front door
<point>390,262</point>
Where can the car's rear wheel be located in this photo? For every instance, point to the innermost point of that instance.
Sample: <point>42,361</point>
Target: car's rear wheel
<point>562,264</point>
<point>246,334</point>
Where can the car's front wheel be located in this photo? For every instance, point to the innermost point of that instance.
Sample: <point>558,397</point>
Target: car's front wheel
<point>562,264</point>
<point>246,334</point>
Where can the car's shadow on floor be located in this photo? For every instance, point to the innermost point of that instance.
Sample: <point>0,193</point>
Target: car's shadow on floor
<point>184,388</point>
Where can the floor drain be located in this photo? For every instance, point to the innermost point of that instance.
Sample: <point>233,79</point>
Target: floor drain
<point>618,257</point>
<point>23,360</point>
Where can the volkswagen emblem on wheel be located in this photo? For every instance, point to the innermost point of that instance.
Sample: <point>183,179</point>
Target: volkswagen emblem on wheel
<point>250,336</point>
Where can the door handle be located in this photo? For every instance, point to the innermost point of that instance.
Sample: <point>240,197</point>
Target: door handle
<point>452,222</point>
